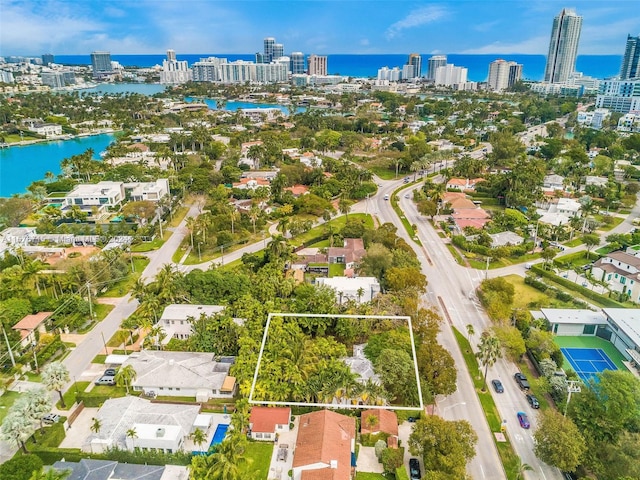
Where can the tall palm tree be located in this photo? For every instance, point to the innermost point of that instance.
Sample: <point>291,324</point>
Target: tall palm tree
<point>96,425</point>
<point>198,437</point>
<point>489,351</point>
<point>470,332</point>
<point>228,458</point>
<point>16,428</point>
<point>233,215</point>
<point>521,468</point>
<point>37,404</point>
<point>55,376</point>
<point>126,375</point>
<point>132,434</point>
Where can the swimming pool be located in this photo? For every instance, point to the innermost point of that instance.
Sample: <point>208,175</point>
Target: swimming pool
<point>218,436</point>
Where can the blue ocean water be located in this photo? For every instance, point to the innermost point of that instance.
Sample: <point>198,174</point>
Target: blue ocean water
<point>599,66</point>
<point>19,166</point>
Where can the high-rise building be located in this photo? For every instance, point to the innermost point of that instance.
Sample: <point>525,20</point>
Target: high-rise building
<point>450,75</point>
<point>47,59</point>
<point>269,44</point>
<point>619,95</point>
<point>503,74</point>
<point>317,64</point>
<point>631,61</point>
<point>208,69</point>
<point>174,71</point>
<point>433,63</point>
<point>415,59</point>
<point>101,64</point>
<point>297,63</point>
<point>563,46</point>
<point>278,51</point>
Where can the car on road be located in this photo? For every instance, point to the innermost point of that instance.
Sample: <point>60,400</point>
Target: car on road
<point>414,469</point>
<point>523,420</point>
<point>406,195</point>
<point>106,380</point>
<point>522,381</point>
<point>51,418</point>
<point>533,401</point>
<point>497,386</point>
<point>110,372</point>
<point>386,197</point>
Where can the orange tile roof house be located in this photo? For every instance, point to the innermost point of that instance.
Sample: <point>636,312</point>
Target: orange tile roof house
<point>387,422</point>
<point>30,324</point>
<point>325,447</point>
<point>350,254</point>
<point>266,422</point>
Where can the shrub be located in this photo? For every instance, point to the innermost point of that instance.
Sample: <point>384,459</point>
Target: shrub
<point>20,467</point>
<point>392,459</point>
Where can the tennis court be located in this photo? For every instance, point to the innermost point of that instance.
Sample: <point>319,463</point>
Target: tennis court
<point>588,361</point>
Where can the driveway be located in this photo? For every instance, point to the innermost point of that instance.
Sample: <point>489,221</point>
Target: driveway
<point>404,432</point>
<point>278,469</point>
<point>367,461</point>
<point>79,432</point>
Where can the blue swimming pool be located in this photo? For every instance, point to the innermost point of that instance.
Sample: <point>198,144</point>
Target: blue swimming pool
<point>218,436</point>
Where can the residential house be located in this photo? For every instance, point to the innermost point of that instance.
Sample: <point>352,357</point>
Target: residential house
<point>266,422</point>
<point>621,272</point>
<point>361,366</point>
<point>359,289</point>
<point>251,183</point>
<point>148,191</point>
<point>553,182</point>
<point>572,321</point>
<point>297,190</point>
<point>309,160</point>
<point>159,427</point>
<point>325,447</point>
<point>177,320</point>
<point>88,469</point>
<point>595,181</point>
<point>504,239</point>
<point>350,254</point>
<point>29,325</point>
<point>182,374</point>
<point>386,422</point>
<point>560,212</point>
<point>46,129</point>
<point>463,184</point>
<point>101,195</point>
<point>138,150</point>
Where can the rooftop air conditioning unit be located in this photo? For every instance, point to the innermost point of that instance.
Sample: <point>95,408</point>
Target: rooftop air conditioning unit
<point>160,432</point>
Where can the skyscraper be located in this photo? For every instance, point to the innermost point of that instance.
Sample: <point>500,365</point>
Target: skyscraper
<point>297,63</point>
<point>269,44</point>
<point>101,64</point>
<point>278,51</point>
<point>563,46</point>
<point>317,64</point>
<point>171,55</point>
<point>435,62</point>
<point>174,71</point>
<point>631,60</point>
<point>47,59</point>
<point>503,74</point>
<point>416,60</point>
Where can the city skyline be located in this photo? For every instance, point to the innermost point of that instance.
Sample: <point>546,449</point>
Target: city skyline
<point>150,27</point>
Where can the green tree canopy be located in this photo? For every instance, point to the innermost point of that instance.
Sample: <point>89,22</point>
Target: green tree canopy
<point>558,441</point>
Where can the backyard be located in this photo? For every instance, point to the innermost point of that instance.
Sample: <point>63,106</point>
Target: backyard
<point>259,454</point>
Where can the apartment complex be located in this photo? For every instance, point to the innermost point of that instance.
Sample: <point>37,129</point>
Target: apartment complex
<point>503,74</point>
<point>434,63</point>
<point>317,65</point>
<point>101,64</point>
<point>563,46</point>
<point>619,95</point>
<point>631,61</point>
<point>174,71</point>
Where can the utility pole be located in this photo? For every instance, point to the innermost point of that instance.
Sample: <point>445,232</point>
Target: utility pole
<point>573,386</point>
<point>486,270</point>
<point>89,297</point>
<point>6,339</point>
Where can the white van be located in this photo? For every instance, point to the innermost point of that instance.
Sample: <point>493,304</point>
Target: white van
<point>386,197</point>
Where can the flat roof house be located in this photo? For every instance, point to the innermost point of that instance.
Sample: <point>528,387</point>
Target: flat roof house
<point>359,289</point>
<point>325,447</point>
<point>266,422</point>
<point>182,374</point>
<point>149,191</point>
<point>176,320</point>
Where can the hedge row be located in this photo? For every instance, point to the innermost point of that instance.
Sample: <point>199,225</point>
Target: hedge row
<point>49,456</point>
<point>553,291</point>
<point>607,302</point>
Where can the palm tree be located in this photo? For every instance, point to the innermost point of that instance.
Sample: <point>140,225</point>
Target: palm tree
<point>55,376</point>
<point>371,422</point>
<point>470,332</point>
<point>132,434</point>
<point>521,468</point>
<point>37,404</point>
<point>489,350</point>
<point>191,223</point>
<point>16,428</point>
<point>50,474</point>
<point>198,437</point>
<point>254,214</point>
<point>228,458</point>
<point>233,215</point>
<point>96,425</point>
<point>344,204</point>
<point>125,376</point>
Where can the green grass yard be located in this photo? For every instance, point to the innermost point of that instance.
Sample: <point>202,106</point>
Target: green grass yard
<point>6,400</point>
<point>591,342</point>
<point>258,455</point>
<point>526,295</point>
<point>369,476</point>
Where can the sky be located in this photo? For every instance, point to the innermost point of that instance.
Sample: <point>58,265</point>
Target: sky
<point>78,27</point>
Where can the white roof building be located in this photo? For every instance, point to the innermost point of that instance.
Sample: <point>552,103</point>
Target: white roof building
<point>176,320</point>
<point>360,289</point>
<point>151,191</point>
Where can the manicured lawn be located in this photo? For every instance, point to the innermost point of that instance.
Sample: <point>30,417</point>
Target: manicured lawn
<point>101,310</point>
<point>573,243</point>
<point>321,244</point>
<point>100,359</point>
<point>121,287</point>
<point>369,476</point>
<point>337,224</point>
<point>6,400</point>
<point>178,216</point>
<point>153,245</point>
<point>336,269</point>
<point>526,295</point>
<point>70,395</point>
<point>591,342</point>
<point>258,455</point>
<point>616,221</point>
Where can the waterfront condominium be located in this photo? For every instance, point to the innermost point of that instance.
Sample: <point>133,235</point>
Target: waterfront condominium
<point>297,63</point>
<point>503,74</point>
<point>415,60</point>
<point>631,61</point>
<point>433,64</point>
<point>269,46</point>
<point>317,64</point>
<point>563,46</point>
<point>174,71</point>
<point>101,64</point>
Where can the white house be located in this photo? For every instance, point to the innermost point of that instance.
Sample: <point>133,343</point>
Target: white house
<point>621,272</point>
<point>182,374</point>
<point>553,182</point>
<point>150,191</point>
<point>572,322</point>
<point>176,320</point>
<point>266,422</point>
<point>46,129</point>
<point>360,289</point>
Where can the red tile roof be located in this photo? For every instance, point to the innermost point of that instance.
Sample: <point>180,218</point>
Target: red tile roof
<point>387,422</point>
<point>265,419</point>
<point>29,323</point>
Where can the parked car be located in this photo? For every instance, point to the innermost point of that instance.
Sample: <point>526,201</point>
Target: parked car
<point>523,420</point>
<point>414,469</point>
<point>110,372</point>
<point>106,380</point>
<point>533,401</point>
<point>522,381</point>
<point>497,386</point>
<point>51,418</point>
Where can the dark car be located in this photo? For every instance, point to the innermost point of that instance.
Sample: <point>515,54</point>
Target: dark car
<point>51,418</point>
<point>497,386</point>
<point>533,401</point>
<point>523,420</point>
<point>110,372</point>
<point>414,469</point>
<point>106,380</point>
<point>522,381</point>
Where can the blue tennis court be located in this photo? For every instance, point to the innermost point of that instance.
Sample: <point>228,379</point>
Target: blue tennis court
<point>588,361</point>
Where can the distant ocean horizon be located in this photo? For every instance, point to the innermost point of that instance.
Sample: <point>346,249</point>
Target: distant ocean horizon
<point>598,66</point>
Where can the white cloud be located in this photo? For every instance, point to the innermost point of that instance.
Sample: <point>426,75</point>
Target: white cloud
<point>416,18</point>
<point>535,46</point>
<point>364,42</point>
<point>486,27</point>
